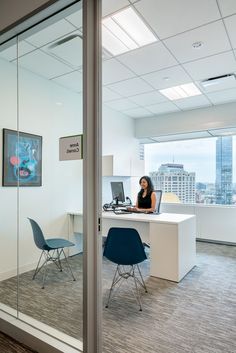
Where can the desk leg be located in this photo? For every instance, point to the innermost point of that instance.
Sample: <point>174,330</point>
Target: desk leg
<point>172,249</point>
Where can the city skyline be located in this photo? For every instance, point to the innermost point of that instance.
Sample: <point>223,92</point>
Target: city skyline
<point>197,156</point>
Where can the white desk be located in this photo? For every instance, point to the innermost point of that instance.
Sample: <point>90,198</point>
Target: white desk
<point>172,239</point>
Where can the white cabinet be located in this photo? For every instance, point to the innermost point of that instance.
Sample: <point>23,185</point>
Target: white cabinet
<point>121,166</point>
<point>136,167</point>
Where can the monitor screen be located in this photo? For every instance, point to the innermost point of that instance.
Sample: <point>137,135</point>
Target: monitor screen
<point>158,200</point>
<point>117,190</point>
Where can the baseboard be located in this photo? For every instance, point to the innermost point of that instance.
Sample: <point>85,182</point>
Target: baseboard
<point>220,242</point>
<point>13,272</point>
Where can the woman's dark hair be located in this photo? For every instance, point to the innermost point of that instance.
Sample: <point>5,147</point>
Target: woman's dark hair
<point>150,187</point>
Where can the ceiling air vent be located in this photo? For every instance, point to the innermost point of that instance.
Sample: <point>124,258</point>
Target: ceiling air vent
<point>219,83</point>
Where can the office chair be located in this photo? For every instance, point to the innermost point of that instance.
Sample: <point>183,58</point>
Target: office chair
<point>52,251</point>
<point>157,209</point>
<point>124,247</point>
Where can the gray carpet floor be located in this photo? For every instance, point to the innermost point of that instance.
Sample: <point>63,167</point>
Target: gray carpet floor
<point>197,315</point>
<point>8,345</point>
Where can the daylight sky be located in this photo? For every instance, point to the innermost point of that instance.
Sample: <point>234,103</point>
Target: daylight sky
<point>196,155</point>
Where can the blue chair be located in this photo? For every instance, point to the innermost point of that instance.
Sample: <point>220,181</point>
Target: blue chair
<point>124,247</point>
<point>52,251</point>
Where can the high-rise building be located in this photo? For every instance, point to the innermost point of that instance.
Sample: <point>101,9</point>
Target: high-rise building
<point>173,178</point>
<point>224,185</point>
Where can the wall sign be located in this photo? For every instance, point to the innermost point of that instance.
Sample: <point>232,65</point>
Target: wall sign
<point>71,148</point>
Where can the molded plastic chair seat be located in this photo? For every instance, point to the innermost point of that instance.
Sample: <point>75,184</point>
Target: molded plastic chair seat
<point>124,247</point>
<point>52,251</point>
<point>57,243</point>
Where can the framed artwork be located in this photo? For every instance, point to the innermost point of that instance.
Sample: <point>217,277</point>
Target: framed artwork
<point>22,159</point>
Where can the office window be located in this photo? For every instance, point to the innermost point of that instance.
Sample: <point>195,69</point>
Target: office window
<point>202,169</point>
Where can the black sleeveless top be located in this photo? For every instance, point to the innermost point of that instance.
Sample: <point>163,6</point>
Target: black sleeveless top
<point>144,202</point>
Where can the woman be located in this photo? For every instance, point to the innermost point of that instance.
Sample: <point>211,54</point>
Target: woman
<point>146,200</point>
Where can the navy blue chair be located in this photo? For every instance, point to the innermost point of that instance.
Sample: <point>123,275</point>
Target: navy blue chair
<point>52,251</point>
<point>124,247</point>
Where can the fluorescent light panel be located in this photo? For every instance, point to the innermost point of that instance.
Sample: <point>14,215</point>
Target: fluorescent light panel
<point>125,31</point>
<point>182,91</point>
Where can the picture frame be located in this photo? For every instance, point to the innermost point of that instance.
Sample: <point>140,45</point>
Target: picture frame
<point>22,159</point>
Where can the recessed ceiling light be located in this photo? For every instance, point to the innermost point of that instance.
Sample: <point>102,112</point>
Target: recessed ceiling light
<point>197,45</point>
<point>182,91</point>
<point>125,31</point>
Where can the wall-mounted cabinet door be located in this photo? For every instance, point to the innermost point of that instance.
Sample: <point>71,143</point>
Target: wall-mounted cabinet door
<point>113,165</point>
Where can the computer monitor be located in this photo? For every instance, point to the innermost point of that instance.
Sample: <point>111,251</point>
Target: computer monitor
<point>117,190</point>
<point>158,200</point>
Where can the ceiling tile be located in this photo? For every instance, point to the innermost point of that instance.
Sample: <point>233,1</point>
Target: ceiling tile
<point>72,80</point>
<point>76,19</point>
<point>108,95</point>
<point>131,87</point>
<point>169,17</point>
<point>149,58</point>
<point>225,96</point>
<point>113,71</point>
<point>166,78</point>
<point>105,55</point>
<point>121,104</point>
<point>43,64</point>
<point>148,98</point>
<point>212,36</point>
<point>230,23</point>
<point>51,33</point>
<point>11,52</point>
<point>212,66</point>
<point>193,102</point>
<point>71,51</point>
<point>109,6</point>
<point>138,113</point>
<point>161,108</point>
<point>227,7</point>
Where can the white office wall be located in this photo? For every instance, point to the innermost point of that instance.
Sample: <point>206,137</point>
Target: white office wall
<point>118,140</point>
<point>61,190</point>
<point>194,120</point>
<point>212,222</point>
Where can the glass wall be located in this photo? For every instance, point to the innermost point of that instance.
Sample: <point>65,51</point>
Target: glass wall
<point>8,195</point>
<point>41,114</point>
<point>194,171</point>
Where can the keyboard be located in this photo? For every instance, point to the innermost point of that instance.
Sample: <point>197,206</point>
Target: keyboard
<point>124,211</point>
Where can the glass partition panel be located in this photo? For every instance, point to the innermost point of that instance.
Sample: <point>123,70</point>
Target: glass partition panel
<point>8,194</point>
<point>50,169</point>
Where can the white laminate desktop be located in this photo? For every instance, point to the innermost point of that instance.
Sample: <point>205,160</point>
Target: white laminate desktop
<point>172,239</point>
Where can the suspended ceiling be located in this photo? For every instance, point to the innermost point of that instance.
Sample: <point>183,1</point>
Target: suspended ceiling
<point>131,81</point>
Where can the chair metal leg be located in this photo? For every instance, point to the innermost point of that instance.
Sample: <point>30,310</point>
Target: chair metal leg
<point>122,273</point>
<point>136,287</point>
<point>37,268</point>
<point>67,262</point>
<point>142,281</point>
<point>114,281</point>
<point>47,257</point>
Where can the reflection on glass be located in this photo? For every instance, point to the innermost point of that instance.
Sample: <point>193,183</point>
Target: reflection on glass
<point>8,196</point>
<point>49,107</point>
